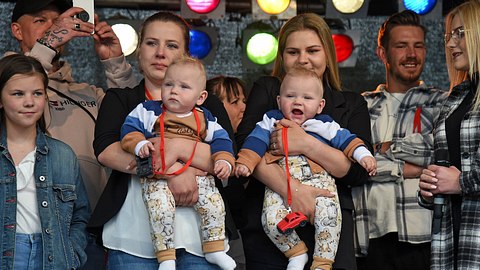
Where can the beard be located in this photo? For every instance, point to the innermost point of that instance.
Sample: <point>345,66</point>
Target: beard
<point>405,75</point>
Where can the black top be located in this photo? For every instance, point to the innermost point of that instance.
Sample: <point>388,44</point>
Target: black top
<point>452,128</point>
<point>350,111</point>
<point>115,107</point>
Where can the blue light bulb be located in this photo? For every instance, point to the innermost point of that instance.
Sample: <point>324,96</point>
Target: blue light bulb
<point>200,44</point>
<point>420,7</point>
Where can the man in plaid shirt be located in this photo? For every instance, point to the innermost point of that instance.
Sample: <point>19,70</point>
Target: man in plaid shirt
<point>392,230</point>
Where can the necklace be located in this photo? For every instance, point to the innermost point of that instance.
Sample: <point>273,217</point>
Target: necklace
<point>394,96</point>
<point>393,103</point>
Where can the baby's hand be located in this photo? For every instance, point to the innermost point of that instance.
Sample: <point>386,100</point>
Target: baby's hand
<point>370,164</point>
<point>222,170</point>
<point>145,150</point>
<point>242,170</point>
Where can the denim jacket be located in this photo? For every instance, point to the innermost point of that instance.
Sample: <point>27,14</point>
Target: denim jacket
<point>62,204</point>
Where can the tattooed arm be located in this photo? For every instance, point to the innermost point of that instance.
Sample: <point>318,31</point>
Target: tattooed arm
<point>63,29</point>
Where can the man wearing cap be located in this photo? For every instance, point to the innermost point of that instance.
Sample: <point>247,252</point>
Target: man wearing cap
<point>42,28</point>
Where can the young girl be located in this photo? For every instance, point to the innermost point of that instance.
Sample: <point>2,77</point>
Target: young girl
<point>44,205</point>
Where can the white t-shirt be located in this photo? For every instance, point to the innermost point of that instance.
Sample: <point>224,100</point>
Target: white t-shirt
<point>384,220</point>
<point>28,218</point>
<point>129,230</point>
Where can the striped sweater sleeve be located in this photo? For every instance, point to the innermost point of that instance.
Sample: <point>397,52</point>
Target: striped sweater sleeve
<point>256,143</point>
<point>220,143</point>
<point>336,136</point>
<point>138,125</point>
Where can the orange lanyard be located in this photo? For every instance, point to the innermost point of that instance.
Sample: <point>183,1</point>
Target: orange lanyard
<point>147,94</point>
<point>162,144</point>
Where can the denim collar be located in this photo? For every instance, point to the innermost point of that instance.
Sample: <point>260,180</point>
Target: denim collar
<point>42,145</point>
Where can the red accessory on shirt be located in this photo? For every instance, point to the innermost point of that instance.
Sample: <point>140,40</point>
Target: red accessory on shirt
<point>293,219</point>
<point>417,120</point>
<point>162,145</point>
<point>162,140</point>
<point>287,169</point>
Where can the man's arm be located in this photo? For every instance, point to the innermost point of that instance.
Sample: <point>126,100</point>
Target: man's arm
<point>62,30</point>
<point>107,45</point>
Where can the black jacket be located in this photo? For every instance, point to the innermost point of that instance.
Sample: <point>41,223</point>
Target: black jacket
<point>115,107</point>
<point>350,111</point>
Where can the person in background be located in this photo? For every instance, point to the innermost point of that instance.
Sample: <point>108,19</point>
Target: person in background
<point>305,41</point>
<point>456,132</point>
<point>120,217</point>
<point>43,28</point>
<point>393,231</point>
<point>179,115</point>
<point>231,92</point>
<point>43,200</point>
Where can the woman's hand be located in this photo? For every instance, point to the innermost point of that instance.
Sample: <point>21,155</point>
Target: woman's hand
<point>297,138</point>
<point>184,186</point>
<point>304,198</point>
<point>171,156</point>
<point>439,180</point>
<point>181,149</point>
<point>331,159</point>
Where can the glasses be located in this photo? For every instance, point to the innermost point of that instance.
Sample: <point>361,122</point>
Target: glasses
<point>456,35</point>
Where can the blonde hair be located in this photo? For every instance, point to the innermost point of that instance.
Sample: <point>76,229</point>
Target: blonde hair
<point>304,73</point>
<point>469,12</point>
<point>309,21</point>
<point>193,62</point>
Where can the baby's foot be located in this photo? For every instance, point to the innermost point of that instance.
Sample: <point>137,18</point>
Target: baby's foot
<point>221,259</point>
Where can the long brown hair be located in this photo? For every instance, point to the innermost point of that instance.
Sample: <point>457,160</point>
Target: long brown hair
<point>18,64</point>
<point>309,21</point>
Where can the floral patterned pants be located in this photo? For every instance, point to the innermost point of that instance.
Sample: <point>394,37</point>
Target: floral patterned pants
<point>327,214</point>
<point>161,210</point>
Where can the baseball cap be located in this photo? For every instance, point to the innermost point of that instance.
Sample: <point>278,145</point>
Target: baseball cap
<point>23,7</point>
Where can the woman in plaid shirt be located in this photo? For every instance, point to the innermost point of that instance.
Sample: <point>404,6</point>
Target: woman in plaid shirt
<point>457,245</point>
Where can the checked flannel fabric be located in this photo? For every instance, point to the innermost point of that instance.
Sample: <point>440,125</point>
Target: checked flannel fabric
<point>469,237</point>
<point>412,222</point>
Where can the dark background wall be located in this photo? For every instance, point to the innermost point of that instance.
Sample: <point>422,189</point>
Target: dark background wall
<point>366,75</point>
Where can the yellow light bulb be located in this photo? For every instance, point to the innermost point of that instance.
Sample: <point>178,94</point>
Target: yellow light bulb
<point>348,6</point>
<point>273,6</point>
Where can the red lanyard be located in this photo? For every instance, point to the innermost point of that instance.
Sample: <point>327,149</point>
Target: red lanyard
<point>417,121</point>
<point>162,140</point>
<point>162,145</point>
<point>147,94</point>
<point>287,169</point>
